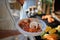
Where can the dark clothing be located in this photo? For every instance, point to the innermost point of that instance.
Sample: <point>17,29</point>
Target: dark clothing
<point>57,5</point>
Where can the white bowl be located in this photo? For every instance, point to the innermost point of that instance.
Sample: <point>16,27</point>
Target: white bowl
<point>43,27</point>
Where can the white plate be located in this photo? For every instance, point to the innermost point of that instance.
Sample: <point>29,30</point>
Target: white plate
<point>29,33</point>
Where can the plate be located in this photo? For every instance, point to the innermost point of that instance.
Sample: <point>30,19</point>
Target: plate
<point>43,27</point>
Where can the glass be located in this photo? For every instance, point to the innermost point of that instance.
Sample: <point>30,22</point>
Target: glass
<point>15,9</point>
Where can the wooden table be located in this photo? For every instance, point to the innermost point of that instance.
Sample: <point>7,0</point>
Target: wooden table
<point>7,33</point>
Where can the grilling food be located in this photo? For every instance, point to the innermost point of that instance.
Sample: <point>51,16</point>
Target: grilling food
<point>49,18</point>
<point>51,36</point>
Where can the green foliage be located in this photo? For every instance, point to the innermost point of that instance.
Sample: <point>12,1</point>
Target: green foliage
<point>49,1</point>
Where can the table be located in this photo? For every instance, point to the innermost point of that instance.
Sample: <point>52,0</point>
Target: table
<point>7,33</point>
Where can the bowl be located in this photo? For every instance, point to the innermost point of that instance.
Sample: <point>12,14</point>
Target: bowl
<point>43,27</point>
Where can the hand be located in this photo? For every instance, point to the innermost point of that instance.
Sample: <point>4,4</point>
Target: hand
<point>21,2</point>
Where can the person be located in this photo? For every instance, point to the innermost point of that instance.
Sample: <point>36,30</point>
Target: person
<point>6,19</point>
<point>21,2</point>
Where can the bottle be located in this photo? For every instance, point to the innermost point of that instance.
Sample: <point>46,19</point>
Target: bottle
<point>39,7</point>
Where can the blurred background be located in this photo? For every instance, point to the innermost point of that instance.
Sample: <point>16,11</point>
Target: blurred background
<point>11,11</point>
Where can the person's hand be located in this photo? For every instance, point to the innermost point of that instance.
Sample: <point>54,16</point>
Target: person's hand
<point>21,2</point>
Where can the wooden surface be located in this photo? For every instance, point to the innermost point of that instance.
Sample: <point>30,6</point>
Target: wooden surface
<point>7,33</point>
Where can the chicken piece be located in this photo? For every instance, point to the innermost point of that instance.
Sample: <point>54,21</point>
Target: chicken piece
<point>32,30</point>
<point>48,16</point>
<point>50,20</point>
<point>51,36</point>
<point>44,17</point>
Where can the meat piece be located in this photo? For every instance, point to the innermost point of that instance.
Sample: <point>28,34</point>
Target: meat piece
<point>25,25</point>
<point>32,30</point>
<point>50,20</point>
<point>51,36</point>
<point>48,16</point>
<point>44,17</point>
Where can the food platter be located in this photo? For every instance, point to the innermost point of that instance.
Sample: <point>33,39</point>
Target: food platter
<point>43,27</point>
<point>30,25</point>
